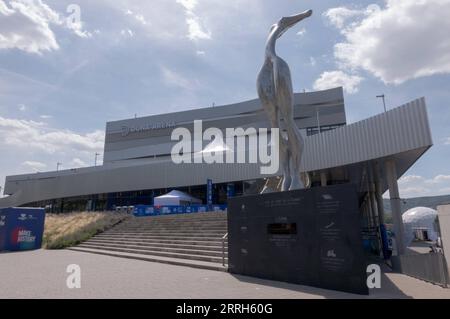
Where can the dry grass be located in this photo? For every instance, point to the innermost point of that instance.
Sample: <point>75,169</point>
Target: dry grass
<point>66,230</point>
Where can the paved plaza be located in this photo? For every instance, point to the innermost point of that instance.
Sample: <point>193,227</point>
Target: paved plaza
<point>42,274</point>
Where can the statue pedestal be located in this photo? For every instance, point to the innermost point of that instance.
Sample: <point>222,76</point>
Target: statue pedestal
<point>309,237</point>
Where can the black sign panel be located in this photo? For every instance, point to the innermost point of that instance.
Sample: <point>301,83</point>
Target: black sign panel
<point>310,237</point>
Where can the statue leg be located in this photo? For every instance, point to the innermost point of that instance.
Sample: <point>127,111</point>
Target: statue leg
<point>274,118</point>
<point>284,162</point>
<point>296,144</point>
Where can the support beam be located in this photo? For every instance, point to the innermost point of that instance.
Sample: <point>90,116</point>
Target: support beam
<point>378,194</point>
<point>391,178</point>
<point>374,203</point>
<point>376,218</point>
<point>380,207</point>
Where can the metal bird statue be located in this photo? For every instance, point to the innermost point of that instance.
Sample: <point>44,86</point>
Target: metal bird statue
<point>274,86</point>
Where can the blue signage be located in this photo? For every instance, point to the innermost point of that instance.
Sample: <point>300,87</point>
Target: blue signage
<point>209,192</point>
<point>230,190</point>
<point>147,210</point>
<point>21,228</point>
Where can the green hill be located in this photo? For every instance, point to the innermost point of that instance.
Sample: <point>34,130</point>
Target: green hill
<point>407,203</point>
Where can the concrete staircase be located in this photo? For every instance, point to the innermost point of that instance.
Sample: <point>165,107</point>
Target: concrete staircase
<point>193,240</point>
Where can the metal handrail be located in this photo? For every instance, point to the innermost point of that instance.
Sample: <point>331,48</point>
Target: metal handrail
<point>223,248</point>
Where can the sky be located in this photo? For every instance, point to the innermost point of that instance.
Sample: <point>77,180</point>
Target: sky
<point>62,79</point>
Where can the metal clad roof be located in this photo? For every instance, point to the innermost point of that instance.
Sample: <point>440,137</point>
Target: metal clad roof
<point>399,130</point>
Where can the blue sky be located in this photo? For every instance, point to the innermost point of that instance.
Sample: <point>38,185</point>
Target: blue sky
<point>60,82</point>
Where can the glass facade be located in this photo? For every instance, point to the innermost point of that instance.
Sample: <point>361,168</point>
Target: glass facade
<point>109,201</point>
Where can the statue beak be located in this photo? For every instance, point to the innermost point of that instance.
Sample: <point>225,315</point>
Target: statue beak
<point>292,20</point>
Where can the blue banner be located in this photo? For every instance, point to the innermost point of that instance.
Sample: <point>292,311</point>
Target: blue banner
<point>147,210</point>
<point>21,228</point>
<point>230,190</point>
<point>209,192</point>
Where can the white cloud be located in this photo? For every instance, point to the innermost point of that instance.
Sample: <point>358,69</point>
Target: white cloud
<point>439,179</point>
<point>141,19</point>
<point>77,162</point>
<point>34,165</point>
<point>331,79</point>
<point>29,146</point>
<point>138,17</point>
<point>45,117</point>
<point>445,190</point>
<point>22,107</point>
<point>312,61</point>
<point>77,28</point>
<point>172,78</point>
<point>127,33</point>
<point>341,17</point>
<point>26,135</point>
<point>405,40</point>
<point>301,32</point>
<point>26,25</point>
<point>408,192</point>
<point>410,179</point>
<point>447,141</point>
<point>196,30</point>
<point>417,186</point>
<point>188,4</point>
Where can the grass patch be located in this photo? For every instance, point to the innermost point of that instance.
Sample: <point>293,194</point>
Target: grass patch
<point>65,230</point>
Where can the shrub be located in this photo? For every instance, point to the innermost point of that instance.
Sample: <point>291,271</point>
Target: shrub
<point>65,230</point>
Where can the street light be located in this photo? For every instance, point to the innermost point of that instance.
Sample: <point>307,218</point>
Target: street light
<point>96,154</point>
<point>384,101</point>
<point>58,165</point>
<point>318,120</point>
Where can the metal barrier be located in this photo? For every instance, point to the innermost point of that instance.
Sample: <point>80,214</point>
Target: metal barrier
<point>431,267</point>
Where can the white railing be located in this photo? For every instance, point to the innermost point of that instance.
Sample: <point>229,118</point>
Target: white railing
<point>223,248</point>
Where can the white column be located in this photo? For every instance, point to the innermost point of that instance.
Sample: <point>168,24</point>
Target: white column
<point>391,178</point>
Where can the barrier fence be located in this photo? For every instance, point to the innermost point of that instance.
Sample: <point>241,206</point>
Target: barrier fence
<point>147,210</point>
<point>431,267</point>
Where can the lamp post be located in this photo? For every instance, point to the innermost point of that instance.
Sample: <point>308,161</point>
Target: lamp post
<point>384,101</point>
<point>58,165</point>
<point>318,120</point>
<point>96,154</point>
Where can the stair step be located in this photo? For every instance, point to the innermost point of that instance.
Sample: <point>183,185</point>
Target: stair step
<point>178,228</point>
<point>156,253</point>
<point>182,227</point>
<point>190,240</point>
<point>163,241</point>
<point>179,250</point>
<point>178,223</point>
<point>167,234</point>
<point>166,237</point>
<point>170,233</point>
<point>183,245</point>
<point>166,260</point>
<point>178,218</point>
<point>175,222</point>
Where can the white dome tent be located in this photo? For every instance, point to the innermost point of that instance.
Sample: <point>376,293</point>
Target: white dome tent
<point>175,198</point>
<point>420,223</point>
